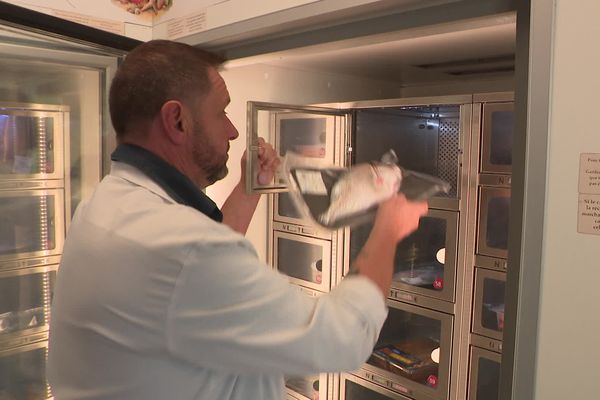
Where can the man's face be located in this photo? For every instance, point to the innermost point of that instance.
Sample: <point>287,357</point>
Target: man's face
<point>212,131</point>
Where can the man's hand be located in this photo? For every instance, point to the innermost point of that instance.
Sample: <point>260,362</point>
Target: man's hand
<point>268,162</point>
<point>396,219</point>
<point>240,205</point>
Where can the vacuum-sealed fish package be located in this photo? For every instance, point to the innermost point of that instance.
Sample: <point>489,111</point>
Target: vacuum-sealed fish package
<point>334,197</point>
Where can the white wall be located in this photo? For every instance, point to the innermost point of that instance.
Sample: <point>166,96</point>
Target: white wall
<point>279,85</point>
<point>569,322</point>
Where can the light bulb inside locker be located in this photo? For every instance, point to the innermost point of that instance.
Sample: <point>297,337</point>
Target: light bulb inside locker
<point>405,346</point>
<point>425,139</point>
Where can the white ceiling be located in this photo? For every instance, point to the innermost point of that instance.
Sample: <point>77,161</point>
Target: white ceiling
<point>453,50</point>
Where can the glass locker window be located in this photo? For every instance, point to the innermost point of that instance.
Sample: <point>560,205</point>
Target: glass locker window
<point>304,259</point>
<point>484,375</point>
<point>414,350</point>
<point>26,145</point>
<point>25,300</point>
<point>497,138</point>
<point>409,346</point>
<point>494,215</point>
<point>496,234</point>
<point>493,304</point>
<point>425,261</point>
<point>308,131</point>
<point>304,136</point>
<point>286,207</point>
<point>27,223</point>
<point>307,387</point>
<point>488,381</point>
<point>354,391</point>
<point>23,375</point>
<point>501,138</point>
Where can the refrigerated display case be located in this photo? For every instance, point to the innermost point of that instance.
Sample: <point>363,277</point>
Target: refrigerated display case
<point>55,139</point>
<point>429,135</point>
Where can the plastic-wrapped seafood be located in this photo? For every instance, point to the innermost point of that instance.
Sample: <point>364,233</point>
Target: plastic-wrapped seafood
<point>333,197</point>
<point>360,188</point>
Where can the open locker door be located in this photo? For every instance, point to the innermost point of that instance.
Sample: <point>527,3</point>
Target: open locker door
<point>309,131</point>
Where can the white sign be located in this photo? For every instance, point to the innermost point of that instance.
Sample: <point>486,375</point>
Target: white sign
<point>589,214</point>
<point>589,173</point>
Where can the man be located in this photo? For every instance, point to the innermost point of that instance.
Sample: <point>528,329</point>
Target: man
<point>159,295</point>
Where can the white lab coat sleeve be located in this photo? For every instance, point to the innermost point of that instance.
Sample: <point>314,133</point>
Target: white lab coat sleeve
<point>231,312</point>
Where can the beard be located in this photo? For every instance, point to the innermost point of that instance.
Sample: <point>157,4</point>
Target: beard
<point>207,157</point>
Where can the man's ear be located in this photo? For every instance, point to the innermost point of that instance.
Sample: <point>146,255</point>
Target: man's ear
<point>172,115</point>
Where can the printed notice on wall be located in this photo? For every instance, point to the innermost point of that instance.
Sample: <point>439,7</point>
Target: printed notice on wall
<point>589,194</point>
<point>589,214</point>
<point>589,173</point>
<point>180,27</point>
